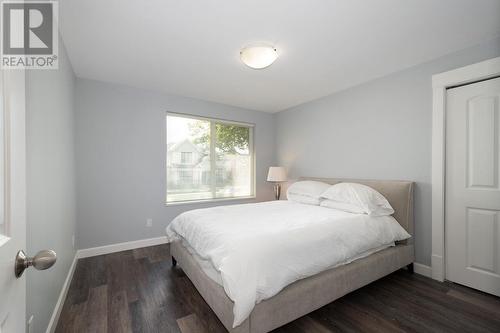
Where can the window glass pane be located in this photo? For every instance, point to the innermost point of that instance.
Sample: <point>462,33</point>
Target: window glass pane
<point>233,172</point>
<point>188,159</point>
<point>208,159</point>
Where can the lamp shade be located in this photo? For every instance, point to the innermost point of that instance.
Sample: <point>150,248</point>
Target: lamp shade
<point>276,174</point>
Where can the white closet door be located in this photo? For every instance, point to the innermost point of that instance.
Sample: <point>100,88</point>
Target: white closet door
<point>473,186</point>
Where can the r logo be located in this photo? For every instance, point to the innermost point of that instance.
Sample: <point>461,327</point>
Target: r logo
<point>27,28</point>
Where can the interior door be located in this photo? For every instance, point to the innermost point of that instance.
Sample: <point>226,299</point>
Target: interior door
<point>472,213</point>
<point>12,199</point>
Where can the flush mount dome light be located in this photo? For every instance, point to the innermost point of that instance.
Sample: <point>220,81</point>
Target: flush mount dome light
<point>258,56</point>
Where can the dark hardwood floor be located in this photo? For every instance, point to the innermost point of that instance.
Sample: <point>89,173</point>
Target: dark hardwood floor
<point>139,291</point>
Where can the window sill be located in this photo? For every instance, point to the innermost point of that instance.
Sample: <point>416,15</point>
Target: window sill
<point>180,203</point>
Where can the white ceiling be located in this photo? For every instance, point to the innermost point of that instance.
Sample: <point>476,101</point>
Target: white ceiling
<point>191,48</point>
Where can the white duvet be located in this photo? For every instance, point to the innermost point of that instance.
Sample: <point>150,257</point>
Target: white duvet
<point>259,249</point>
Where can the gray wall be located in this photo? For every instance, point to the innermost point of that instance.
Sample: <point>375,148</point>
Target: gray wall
<point>378,130</point>
<point>121,159</point>
<point>51,192</point>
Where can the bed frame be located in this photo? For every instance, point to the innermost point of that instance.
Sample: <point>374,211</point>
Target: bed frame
<point>309,294</point>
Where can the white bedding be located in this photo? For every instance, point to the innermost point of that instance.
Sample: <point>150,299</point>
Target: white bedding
<point>207,267</point>
<point>259,249</point>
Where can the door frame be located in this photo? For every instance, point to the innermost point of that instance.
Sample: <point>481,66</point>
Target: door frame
<point>440,82</point>
<point>14,85</point>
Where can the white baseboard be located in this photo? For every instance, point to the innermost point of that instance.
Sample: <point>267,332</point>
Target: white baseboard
<point>422,269</point>
<point>118,247</point>
<point>62,297</point>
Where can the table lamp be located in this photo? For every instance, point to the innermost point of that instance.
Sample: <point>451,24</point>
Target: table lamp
<point>276,175</point>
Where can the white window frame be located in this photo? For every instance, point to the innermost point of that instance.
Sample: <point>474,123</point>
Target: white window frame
<point>251,148</point>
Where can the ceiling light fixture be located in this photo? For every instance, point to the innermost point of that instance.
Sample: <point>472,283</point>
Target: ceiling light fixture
<point>258,56</point>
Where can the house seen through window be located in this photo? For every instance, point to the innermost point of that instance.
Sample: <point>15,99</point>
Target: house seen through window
<point>186,157</point>
<point>208,159</point>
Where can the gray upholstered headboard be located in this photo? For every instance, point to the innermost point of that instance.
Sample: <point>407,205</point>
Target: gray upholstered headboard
<point>399,193</point>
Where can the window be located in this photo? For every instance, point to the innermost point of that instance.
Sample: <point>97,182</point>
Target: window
<point>186,157</point>
<point>186,177</point>
<point>208,159</point>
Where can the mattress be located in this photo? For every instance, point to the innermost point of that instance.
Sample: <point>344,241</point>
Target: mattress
<point>255,250</point>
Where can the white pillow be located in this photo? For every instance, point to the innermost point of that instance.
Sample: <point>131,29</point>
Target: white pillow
<point>364,197</point>
<point>346,207</point>
<point>303,199</point>
<point>307,191</point>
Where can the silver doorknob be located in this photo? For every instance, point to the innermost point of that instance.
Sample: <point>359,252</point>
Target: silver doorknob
<point>42,260</point>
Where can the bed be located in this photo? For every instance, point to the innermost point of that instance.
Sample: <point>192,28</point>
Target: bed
<point>310,293</point>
